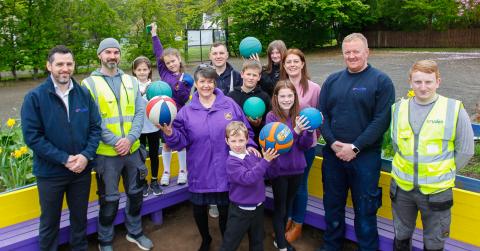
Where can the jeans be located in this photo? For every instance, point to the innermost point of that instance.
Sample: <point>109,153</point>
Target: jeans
<point>299,207</point>
<point>361,176</point>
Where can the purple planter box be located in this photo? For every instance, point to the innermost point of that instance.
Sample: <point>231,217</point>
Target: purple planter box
<point>315,217</point>
<point>24,235</point>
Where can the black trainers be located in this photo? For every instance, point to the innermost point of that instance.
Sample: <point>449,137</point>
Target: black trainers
<point>146,189</point>
<point>156,190</point>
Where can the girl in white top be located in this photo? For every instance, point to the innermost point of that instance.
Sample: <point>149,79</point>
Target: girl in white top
<point>142,69</point>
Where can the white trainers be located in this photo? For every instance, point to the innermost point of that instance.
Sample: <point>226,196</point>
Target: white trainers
<point>165,180</point>
<point>182,178</point>
<point>213,211</point>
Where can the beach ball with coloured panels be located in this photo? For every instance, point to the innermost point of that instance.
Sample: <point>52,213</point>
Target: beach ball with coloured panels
<point>161,110</point>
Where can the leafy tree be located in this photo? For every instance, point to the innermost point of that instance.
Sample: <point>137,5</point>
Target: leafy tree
<point>11,14</point>
<point>300,23</point>
<point>418,14</point>
<point>38,33</point>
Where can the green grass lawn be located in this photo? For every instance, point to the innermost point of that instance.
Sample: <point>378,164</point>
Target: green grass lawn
<point>197,53</point>
<point>473,167</point>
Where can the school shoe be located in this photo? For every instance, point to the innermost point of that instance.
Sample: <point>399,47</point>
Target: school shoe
<point>165,180</point>
<point>105,248</point>
<point>146,189</point>
<point>213,211</point>
<point>142,242</point>
<point>155,187</point>
<point>294,232</point>
<point>182,178</point>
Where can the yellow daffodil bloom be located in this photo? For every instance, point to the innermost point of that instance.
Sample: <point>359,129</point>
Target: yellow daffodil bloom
<point>17,154</point>
<point>1,150</point>
<point>23,149</point>
<point>410,93</point>
<point>10,122</point>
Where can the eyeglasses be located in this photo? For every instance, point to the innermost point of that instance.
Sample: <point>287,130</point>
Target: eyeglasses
<point>205,66</point>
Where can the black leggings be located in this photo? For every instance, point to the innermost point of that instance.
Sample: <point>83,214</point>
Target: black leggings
<point>200,213</point>
<point>284,190</point>
<point>153,139</point>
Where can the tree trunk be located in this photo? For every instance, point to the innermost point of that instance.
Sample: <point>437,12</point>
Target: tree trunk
<point>14,72</point>
<point>35,73</point>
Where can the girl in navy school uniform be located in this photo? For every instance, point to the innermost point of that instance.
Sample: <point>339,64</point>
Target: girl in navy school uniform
<point>171,70</point>
<point>286,171</point>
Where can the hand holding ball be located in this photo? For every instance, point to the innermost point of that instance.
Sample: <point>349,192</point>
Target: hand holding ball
<point>276,135</point>
<point>250,46</point>
<point>313,116</point>
<point>187,78</point>
<point>161,110</point>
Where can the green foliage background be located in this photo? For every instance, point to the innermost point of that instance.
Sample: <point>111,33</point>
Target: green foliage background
<point>29,28</point>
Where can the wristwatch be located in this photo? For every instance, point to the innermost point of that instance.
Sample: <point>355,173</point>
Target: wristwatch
<point>355,149</point>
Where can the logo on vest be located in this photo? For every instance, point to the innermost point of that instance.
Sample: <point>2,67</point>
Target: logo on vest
<point>434,121</point>
<point>228,116</point>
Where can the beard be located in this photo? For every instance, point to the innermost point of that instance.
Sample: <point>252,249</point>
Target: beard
<point>110,65</point>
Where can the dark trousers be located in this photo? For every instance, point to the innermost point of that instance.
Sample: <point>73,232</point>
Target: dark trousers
<point>242,221</point>
<point>153,140</point>
<point>361,176</point>
<point>200,214</point>
<point>284,190</point>
<point>50,193</point>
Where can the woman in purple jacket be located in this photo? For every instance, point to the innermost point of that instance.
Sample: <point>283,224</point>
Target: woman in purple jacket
<point>171,70</point>
<point>200,128</point>
<point>287,170</point>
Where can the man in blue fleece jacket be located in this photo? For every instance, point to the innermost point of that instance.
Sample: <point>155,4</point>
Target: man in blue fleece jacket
<point>61,124</point>
<point>356,104</point>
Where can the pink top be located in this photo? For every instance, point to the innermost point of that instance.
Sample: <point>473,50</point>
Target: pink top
<point>310,99</point>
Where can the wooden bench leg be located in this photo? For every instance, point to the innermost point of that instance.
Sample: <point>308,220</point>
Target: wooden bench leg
<point>157,217</point>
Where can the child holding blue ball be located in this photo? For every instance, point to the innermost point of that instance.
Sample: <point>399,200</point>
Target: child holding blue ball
<point>171,70</point>
<point>251,71</point>
<point>246,190</point>
<point>286,171</point>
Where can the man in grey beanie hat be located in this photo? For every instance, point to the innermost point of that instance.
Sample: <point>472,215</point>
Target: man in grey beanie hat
<point>122,110</point>
<point>108,43</point>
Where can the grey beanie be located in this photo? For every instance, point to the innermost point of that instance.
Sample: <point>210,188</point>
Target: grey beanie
<point>108,43</point>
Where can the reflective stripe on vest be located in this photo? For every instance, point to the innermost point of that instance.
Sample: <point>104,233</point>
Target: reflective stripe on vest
<point>435,152</point>
<point>116,117</point>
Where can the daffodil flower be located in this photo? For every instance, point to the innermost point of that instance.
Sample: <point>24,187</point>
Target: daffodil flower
<point>10,122</point>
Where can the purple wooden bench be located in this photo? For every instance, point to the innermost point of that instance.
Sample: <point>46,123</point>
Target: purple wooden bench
<point>315,217</point>
<point>24,235</point>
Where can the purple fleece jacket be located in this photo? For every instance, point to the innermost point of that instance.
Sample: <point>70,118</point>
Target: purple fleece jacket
<point>202,132</point>
<point>180,89</point>
<point>245,179</point>
<point>292,162</point>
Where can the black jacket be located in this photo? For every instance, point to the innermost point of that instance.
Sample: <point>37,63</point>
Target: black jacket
<point>230,74</point>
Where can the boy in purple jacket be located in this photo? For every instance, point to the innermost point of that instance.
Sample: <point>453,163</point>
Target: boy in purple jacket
<point>246,189</point>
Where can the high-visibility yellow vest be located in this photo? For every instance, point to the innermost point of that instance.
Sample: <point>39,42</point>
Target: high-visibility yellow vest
<point>434,156</point>
<point>118,121</point>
